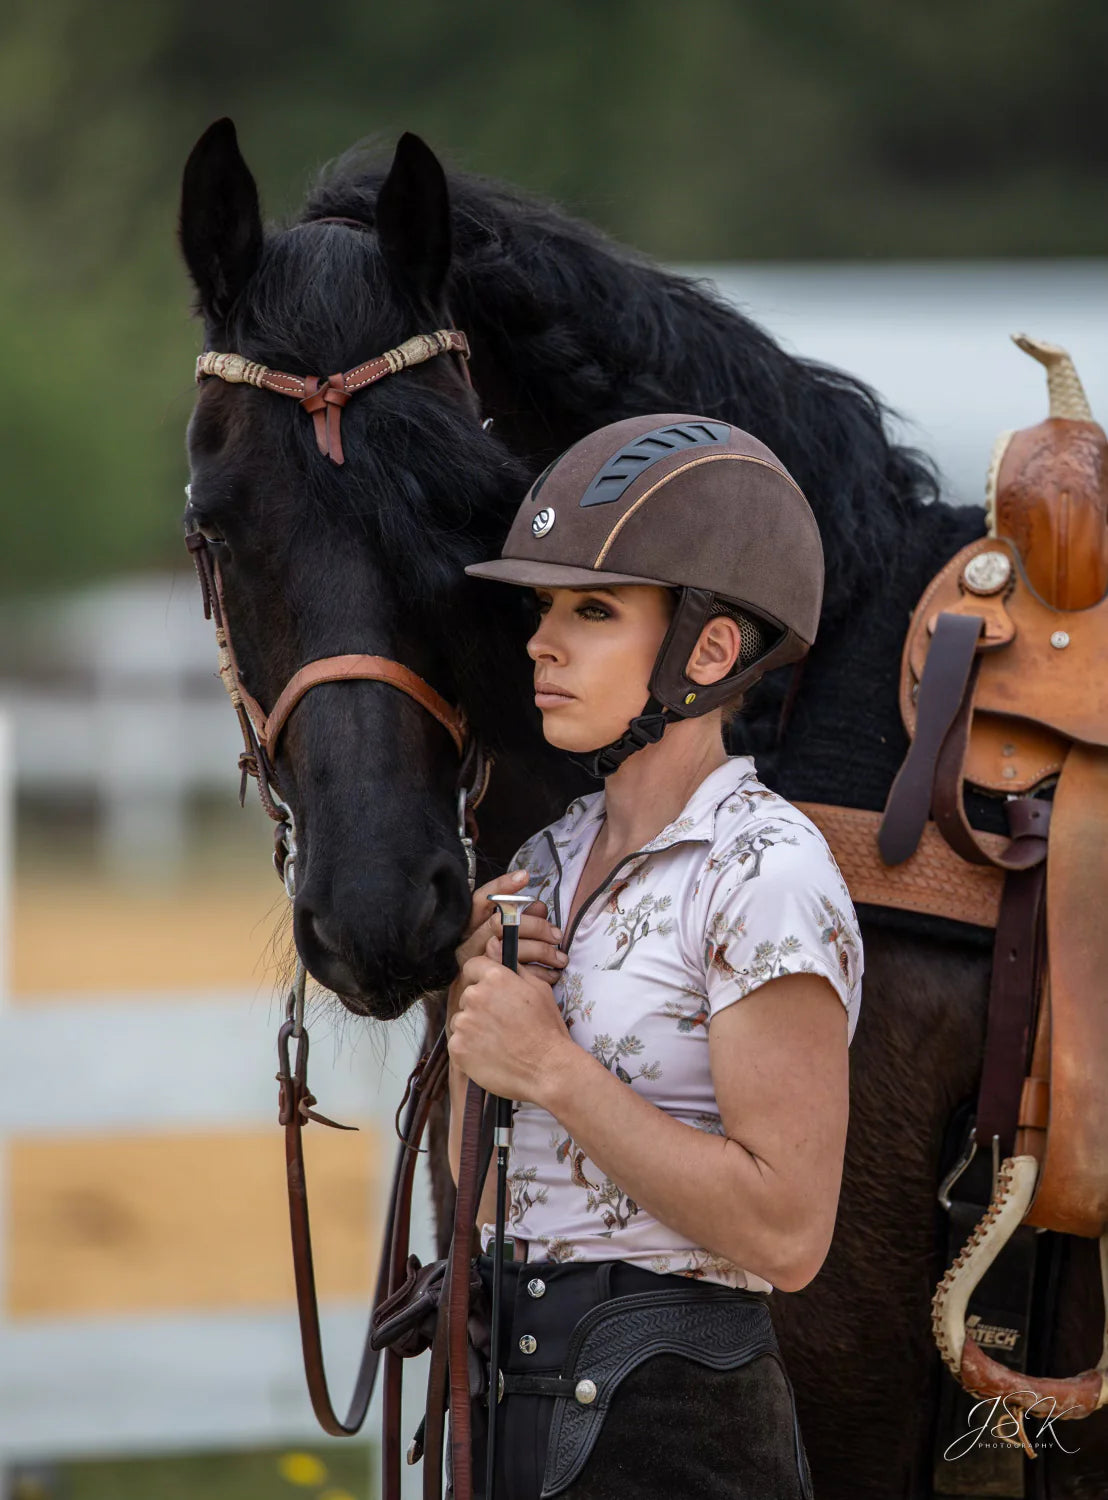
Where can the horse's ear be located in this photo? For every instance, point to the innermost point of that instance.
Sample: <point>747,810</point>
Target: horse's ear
<point>413,219</point>
<point>221,222</point>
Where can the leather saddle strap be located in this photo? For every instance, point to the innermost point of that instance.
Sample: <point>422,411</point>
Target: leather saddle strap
<point>418,1110</point>
<point>1028,817</point>
<point>1013,1003</point>
<point>946,674</point>
<point>366,668</point>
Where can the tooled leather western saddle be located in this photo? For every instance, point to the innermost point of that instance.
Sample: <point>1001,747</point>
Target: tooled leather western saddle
<point>1004,688</point>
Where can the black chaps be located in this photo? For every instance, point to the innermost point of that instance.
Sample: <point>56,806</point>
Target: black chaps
<point>619,1382</point>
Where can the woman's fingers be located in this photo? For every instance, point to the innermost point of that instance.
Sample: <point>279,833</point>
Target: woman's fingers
<point>509,884</point>
<point>531,951</point>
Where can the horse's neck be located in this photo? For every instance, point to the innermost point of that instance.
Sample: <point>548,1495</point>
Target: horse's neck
<point>845,740</point>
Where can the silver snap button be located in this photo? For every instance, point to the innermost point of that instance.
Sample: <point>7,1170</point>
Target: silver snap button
<point>988,572</point>
<point>528,1343</point>
<point>536,1287</point>
<point>1059,639</point>
<point>586,1392</point>
<point>543,521</point>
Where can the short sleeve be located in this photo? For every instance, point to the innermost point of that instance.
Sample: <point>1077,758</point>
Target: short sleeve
<point>780,906</point>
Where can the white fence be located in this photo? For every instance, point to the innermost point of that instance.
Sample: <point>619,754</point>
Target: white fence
<point>170,1063</point>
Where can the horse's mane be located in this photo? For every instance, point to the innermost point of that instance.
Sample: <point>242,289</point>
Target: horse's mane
<point>586,331</point>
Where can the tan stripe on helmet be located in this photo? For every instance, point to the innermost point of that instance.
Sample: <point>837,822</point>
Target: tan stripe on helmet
<point>711,458</point>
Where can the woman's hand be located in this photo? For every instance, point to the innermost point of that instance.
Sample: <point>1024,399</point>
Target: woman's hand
<point>539,954</point>
<point>507,1032</point>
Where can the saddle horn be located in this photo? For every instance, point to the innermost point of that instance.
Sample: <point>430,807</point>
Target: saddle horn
<point>1047,489</point>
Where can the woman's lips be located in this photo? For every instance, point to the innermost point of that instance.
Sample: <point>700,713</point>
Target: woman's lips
<point>549,697</point>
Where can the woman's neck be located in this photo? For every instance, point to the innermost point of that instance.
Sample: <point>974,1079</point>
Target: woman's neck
<point>650,788</point>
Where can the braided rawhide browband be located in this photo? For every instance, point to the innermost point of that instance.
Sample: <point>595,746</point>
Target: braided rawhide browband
<point>325,398</point>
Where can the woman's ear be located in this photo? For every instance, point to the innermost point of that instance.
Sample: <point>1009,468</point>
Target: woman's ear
<point>717,651</point>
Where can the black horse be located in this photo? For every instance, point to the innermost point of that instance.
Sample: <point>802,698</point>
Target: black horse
<point>570,331</point>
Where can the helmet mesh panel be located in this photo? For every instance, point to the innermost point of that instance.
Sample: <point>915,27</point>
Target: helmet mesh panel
<point>752,635</point>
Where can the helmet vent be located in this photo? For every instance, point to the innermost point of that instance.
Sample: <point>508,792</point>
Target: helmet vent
<point>624,467</point>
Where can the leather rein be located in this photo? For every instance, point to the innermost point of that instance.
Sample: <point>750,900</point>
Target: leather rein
<point>261,731</point>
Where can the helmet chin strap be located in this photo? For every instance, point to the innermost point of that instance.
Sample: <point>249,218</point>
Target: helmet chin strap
<point>646,728</point>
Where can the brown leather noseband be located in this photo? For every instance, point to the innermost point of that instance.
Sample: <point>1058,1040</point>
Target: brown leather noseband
<point>261,731</point>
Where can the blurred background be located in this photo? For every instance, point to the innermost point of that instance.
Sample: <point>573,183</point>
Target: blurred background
<point>893,189</point>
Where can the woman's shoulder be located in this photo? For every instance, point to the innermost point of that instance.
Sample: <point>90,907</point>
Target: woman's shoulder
<point>756,827</point>
<point>774,902</point>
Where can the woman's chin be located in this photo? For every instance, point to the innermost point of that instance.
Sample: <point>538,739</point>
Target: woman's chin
<point>577,737</point>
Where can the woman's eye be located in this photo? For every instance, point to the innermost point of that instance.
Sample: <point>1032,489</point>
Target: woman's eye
<point>593,611</point>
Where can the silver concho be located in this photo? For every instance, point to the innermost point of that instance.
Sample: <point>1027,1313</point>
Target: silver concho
<point>987,572</point>
<point>585,1392</point>
<point>543,521</point>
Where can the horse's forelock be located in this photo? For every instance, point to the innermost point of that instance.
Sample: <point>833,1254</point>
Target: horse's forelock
<point>317,302</point>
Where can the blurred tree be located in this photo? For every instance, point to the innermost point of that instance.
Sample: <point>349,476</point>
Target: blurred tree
<point>713,130</point>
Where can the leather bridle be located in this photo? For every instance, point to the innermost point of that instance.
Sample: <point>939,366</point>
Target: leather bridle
<point>324,399</point>
<point>324,396</point>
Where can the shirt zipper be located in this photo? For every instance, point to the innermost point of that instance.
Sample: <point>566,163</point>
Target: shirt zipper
<point>583,908</point>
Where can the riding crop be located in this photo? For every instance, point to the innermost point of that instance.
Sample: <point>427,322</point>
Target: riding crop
<point>511,909</point>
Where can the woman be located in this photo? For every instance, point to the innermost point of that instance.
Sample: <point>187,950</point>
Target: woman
<point>676,1155</point>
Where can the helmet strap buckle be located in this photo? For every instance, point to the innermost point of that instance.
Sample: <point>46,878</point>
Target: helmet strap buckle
<point>646,728</point>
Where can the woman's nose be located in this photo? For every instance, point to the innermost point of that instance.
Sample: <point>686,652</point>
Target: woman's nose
<point>539,646</point>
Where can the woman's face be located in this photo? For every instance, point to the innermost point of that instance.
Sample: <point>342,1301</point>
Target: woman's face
<point>593,651</point>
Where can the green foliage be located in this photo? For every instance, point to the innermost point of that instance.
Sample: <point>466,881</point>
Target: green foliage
<point>342,1470</point>
<point>708,131</point>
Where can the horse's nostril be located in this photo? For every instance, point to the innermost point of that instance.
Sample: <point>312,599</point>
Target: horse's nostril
<point>317,941</point>
<point>325,933</point>
<point>440,906</point>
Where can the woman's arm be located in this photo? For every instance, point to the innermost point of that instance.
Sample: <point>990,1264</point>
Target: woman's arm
<point>538,939</point>
<point>764,1195</point>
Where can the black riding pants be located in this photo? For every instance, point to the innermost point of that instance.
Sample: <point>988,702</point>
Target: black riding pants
<point>708,1412</point>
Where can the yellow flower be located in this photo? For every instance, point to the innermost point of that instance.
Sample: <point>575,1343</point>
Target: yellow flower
<point>302,1468</point>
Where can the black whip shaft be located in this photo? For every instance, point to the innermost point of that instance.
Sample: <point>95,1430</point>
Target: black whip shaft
<point>503,1137</point>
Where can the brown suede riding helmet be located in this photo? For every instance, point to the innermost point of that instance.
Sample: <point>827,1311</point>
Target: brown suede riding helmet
<point>685,502</point>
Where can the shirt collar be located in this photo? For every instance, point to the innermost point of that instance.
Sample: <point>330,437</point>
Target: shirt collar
<point>696,820</point>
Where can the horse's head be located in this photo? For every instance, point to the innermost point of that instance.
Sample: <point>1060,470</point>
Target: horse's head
<point>320,559</point>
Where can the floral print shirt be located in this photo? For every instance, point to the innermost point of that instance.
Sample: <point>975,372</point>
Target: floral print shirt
<point>740,888</point>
